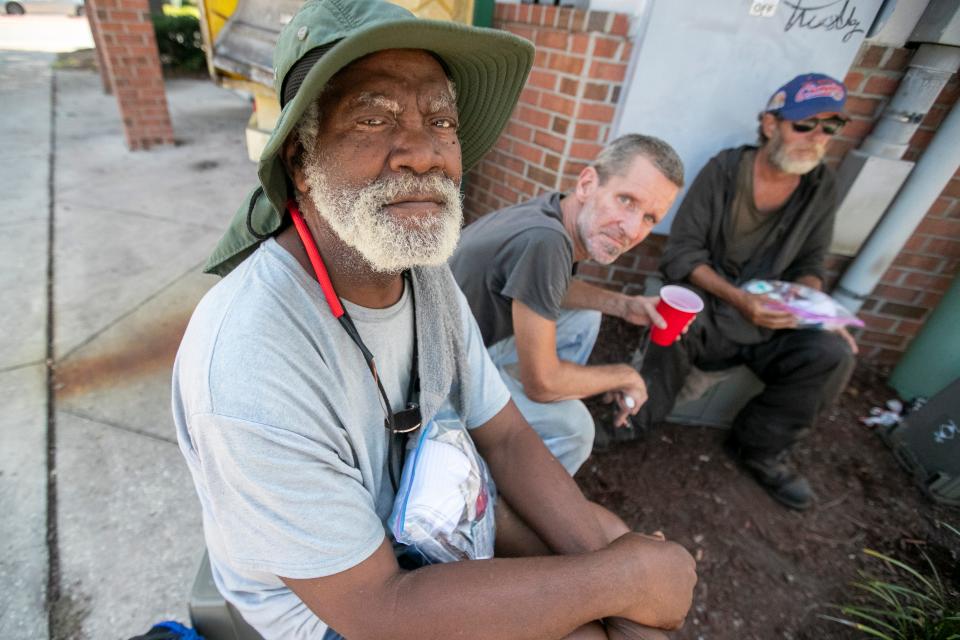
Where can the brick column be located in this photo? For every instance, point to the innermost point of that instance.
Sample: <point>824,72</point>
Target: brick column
<point>566,110</point>
<point>99,46</point>
<point>563,119</point>
<point>132,63</point>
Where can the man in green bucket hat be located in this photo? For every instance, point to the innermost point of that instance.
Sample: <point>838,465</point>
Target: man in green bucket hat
<point>338,333</point>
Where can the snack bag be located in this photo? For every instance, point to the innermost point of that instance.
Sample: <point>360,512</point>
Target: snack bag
<point>444,506</point>
<point>812,308</point>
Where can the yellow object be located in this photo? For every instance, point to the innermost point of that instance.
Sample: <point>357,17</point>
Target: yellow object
<point>217,12</point>
<point>170,10</point>
<point>452,10</point>
<point>214,14</point>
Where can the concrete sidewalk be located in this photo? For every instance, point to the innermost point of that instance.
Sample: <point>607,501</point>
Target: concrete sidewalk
<point>130,233</point>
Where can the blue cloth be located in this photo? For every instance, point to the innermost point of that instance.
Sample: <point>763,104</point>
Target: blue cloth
<point>566,427</point>
<point>807,95</point>
<point>186,633</point>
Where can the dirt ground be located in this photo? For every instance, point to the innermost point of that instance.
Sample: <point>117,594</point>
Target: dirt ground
<point>765,571</point>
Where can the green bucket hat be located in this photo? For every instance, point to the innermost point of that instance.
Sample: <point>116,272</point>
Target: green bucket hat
<point>489,68</point>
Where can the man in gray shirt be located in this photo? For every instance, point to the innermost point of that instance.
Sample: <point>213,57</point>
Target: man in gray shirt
<point>332,336</point>
<point>516,268</point>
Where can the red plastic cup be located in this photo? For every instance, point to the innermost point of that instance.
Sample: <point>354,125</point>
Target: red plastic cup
<point>677,306</point>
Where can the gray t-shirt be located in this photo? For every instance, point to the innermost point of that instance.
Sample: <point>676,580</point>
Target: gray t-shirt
<point>518,253</point>
<point>280,424</point>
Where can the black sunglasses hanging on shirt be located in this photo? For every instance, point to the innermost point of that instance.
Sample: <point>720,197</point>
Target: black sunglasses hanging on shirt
<point>401,423</point>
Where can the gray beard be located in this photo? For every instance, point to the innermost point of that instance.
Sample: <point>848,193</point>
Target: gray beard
<point>779,158</point>
<point>357,215</point>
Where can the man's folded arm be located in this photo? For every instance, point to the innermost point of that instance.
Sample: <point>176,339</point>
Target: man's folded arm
<point>515,598</point>
<point>547,378</point>
<point>512,599</point>
<point>536,485</point>
<point>583,295</point>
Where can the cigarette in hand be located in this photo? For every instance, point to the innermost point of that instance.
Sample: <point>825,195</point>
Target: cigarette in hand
<point>629,402</point>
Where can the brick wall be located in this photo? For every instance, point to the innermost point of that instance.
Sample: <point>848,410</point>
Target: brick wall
<point>124,33</point>
<point>565,112</point>
<point>564,117</point>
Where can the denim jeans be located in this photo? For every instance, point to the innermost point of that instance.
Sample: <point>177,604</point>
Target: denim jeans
<point>566,427</point>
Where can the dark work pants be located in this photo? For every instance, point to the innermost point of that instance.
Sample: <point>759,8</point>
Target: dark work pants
<point>803,370</point>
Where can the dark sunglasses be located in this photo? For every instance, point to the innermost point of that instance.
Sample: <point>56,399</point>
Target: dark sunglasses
<point>829,126</point>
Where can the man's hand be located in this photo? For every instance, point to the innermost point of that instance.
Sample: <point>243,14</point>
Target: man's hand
<point>629,399</point>
<point>623,629</point>
<point>666,579</point>
<point>757,309</point>
<point>642,310</point>
<point>843,333</point>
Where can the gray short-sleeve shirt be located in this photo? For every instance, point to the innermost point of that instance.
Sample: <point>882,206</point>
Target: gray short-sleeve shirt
<point>281,427</point>
<point>519,253</point>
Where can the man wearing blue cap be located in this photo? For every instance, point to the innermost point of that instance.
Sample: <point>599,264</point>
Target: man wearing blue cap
<point>338,331</point>
<point>760,212</point>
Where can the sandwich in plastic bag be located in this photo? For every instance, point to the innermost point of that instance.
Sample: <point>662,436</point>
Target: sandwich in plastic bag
<point>813,309</point>
<point>444,506</point>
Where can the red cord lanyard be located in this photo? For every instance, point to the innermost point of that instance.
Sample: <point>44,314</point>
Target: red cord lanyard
<point>405,421</point>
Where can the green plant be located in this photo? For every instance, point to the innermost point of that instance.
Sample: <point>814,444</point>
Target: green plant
<point>179,42</point>
<point>910,605</point>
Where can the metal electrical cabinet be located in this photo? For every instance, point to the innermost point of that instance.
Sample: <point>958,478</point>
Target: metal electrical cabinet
<point>927,443</point>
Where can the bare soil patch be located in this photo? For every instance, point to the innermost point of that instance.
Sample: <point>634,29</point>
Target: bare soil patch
<point>765,571</point>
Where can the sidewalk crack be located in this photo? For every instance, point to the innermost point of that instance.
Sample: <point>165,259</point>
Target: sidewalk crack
<point>99,332</point>
<point>116,425</point>
<point>53,552</point>
<point>22,365</point>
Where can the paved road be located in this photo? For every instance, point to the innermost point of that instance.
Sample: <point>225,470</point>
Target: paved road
<point>44,33</point>
<point>24,208</point>
<point>130,231</point>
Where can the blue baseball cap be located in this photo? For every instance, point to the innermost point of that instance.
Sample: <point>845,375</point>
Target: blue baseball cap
<point>807,95</point>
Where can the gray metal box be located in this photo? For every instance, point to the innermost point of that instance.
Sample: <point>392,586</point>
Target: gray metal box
<point>714,399</point>
<point>895,22</point>
<point>939,24</point>
<point>927,443</point>
<point>867,185</point>
<point>211,615</point>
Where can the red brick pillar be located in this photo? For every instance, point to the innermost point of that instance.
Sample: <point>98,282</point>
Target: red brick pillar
<point>566,110</point>
<point>99,46</point>
<point>132,64</point>
<point>563,119</point>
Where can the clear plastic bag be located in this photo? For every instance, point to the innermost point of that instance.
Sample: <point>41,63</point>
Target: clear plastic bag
<point>444,506</point>
<point>812,308</point>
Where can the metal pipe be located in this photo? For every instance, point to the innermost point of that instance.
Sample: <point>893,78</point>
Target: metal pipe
<point>924,185</point>
<point>930,69</point>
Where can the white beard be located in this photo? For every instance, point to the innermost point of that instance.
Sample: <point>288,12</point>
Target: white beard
<point>388,244</point>
<point>780,158</point>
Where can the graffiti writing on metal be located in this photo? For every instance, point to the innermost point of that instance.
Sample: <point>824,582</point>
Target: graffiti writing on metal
<point>839,15</point>
<point>946,431</point>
